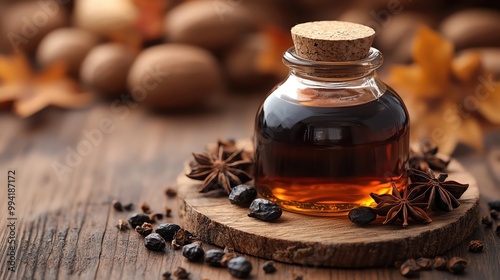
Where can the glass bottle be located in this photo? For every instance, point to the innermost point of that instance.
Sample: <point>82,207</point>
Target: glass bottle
<point>329,135</point>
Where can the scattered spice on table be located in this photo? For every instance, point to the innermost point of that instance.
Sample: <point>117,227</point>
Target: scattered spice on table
<point>155,216</point>
<point>117,205</point>
<point>494,205</point>
<point>239,267</point>
<point>168,212</point>
<point>456,265</point>
<point>145,208</point>
<point>476,246</point>
<point>166,275</point>
<point>494,214</point>
<point>167,231</point>
<point>269,267</point>
<point>487,221</point>
<point>409,268</point>
<point>170,192</point>
<point>128,207</point>
<point>138,219</point>
<point>214,257</point>
<point>145,229</point>
<point>154,242</point>
<point>122,225</point>
<point>181,273</point>
<point>193,252</point>
<point>424,263</point>
<point>440,263</point>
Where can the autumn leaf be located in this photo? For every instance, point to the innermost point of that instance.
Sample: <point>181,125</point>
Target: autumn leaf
<point>270,60</point>
<point>447,96</point>
<point>30,92</point>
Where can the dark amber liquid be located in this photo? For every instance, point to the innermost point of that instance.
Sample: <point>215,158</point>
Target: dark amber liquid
<point>323,160</point>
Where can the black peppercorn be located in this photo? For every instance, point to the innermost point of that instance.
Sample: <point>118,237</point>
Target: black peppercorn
<point>264,210</point>
<point>166,275</point>
<point>154,242</point>
<point>138,219</point>
<point>476,246</point>
<point>239,267</point>
<point>495,205</point>
<point>128,206</point>
<point>214,257</point>
<point>456,265</point>
<point>362,215</point>
<point>117,205</point>
<point>242,195</point>
<point>269,267</point>
<point>193,252</point>
<point>409,268</point>
<point>167,231</point>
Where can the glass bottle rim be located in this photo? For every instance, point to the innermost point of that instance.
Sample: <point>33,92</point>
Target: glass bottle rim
<point>333,69</point>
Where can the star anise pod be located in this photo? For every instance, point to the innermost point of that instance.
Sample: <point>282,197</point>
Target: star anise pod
<point>426,157</point>
<point>396,206</point>
<point>440,194</point>
<point>219,171</point>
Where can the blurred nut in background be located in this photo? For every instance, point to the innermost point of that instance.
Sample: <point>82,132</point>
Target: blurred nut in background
<point>68,45</point>
<point>174,76</point>
<point>204,24</point>
<point>490,59</point>
<point>105,17</point>
<point>106,67</point>
<point>241,63</point>
<point>23,25</point>
<point>473,28</point>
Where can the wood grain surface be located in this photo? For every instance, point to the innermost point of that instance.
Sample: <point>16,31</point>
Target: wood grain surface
<point>327,241</point>
<point>65,229</point>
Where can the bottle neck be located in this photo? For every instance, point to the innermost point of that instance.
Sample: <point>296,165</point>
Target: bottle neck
<point>319,83</point>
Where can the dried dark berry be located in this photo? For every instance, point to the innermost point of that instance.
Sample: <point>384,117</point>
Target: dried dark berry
<point>166,275</point>
<point>138,219</point>
<point>456,265</point>
<point>214,257</point>
<point>487,221</point>
<point>144,230</point>
<point>424,263</point>
<point>265,210</point>
<point>193,252</point>
<point>181,273</point>
<point>167,231</point>
<point>239,267</point>
<point>495,205</point>
<point>156,216</point>
<point>229,254</point>
<point>154,242</point>
<point>128,206</point>
<point>269,267</point>
<point>494,214</point>
<point>409,268</point>
<point>242,195</point>
<point>362,215</point>
<point>117,205</point>
<point>440,263</point>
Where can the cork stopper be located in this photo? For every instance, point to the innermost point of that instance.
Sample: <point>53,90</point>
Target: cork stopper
<point>332,40</point>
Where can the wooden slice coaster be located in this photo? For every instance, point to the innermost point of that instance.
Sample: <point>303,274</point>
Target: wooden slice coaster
<point>327,241</point>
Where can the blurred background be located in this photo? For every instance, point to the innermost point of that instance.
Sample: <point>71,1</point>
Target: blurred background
<point>179,56</point>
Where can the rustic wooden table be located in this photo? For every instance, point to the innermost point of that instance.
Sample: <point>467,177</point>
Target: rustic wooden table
<point>65,228</point>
